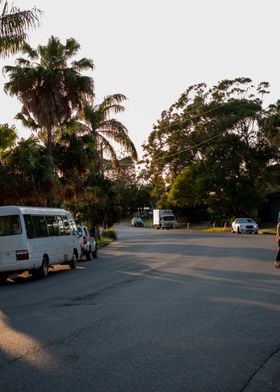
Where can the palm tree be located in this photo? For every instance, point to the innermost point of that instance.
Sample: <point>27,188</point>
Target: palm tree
<point>13,26</point>
<point>110,134</point>
<point>81,149</point>
<point>51,91</point>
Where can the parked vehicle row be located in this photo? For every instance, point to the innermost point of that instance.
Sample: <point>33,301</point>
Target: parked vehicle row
<point>162,219</point>
<point>33,239</point>
<point>165,219</point>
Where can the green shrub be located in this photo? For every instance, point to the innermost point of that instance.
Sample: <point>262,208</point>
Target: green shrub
<point>109,233</point>
<point>103,242</point>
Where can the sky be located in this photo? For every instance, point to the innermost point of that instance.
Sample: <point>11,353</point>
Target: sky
<point>153,50</point>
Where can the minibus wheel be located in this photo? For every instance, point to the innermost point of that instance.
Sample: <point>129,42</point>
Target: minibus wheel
<point>44,269</point>
<point>73,262</point>
<point>3,277</point>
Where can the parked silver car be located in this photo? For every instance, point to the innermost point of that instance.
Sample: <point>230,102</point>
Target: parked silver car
<point>244,225</point>
<point>87,242</point>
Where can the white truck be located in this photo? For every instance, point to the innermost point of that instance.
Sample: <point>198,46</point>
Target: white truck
<point>163,219</point>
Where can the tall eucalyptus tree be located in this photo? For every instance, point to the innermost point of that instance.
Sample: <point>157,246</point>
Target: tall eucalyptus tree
<point>209,148</point>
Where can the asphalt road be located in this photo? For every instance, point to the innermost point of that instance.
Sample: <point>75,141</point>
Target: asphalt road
<point>165,311</point>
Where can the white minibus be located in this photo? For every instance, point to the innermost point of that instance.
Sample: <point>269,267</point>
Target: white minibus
<point>33,239</point>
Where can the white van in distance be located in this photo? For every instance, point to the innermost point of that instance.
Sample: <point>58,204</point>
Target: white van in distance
<point>163,219</point>
<point>33,239</point>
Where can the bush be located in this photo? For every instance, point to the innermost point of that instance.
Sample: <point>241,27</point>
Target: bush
<point>103,242</point>
<point>109,233</point>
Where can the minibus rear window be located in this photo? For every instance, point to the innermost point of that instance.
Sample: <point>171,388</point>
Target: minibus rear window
<point>10,225</point>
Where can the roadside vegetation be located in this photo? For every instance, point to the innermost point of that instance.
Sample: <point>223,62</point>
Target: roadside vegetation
<point>103,241</point>
<point>212,155</point>
<point>270,230</point>
<point>107,236</point>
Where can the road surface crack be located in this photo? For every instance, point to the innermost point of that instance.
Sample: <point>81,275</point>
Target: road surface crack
<point>259,369</point>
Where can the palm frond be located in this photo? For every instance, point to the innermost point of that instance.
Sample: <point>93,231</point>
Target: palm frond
<point>29,51</point>
<point>27,121</point>
<point>112,103</point>
<point>15,21</point>
<point>11,45</point>
<point>83,64</point>
<point>71,47</point>
<point>14,24</point>
<point>116,131</point>
<point>107,148</point>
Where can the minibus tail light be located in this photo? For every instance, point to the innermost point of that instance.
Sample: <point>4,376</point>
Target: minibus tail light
<point>22,254</point>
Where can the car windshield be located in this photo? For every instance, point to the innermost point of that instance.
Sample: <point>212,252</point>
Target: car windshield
<point>80,231</point>
<point>246,220</point>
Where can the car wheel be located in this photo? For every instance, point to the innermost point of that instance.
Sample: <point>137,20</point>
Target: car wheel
<point>73,262</point>
<point>238,230</point>
<point>95,253</point>
<point>88,256</point>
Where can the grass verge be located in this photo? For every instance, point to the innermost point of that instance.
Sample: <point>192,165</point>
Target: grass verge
<point>103,242</point>
<point>211,229</point>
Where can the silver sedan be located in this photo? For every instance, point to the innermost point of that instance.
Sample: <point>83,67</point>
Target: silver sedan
<point>244,225</point>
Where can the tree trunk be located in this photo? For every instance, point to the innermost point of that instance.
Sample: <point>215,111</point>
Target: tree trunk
<point>97,232</point>
<point>50,196</point>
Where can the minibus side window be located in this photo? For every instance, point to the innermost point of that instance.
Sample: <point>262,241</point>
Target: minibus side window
<point>30,231</point>
<point>60,225</point>
<point>40,225</point>
<point>66,225</point>
<point>74,229</point>
<point>52,225</point>
<point>55,226</point>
